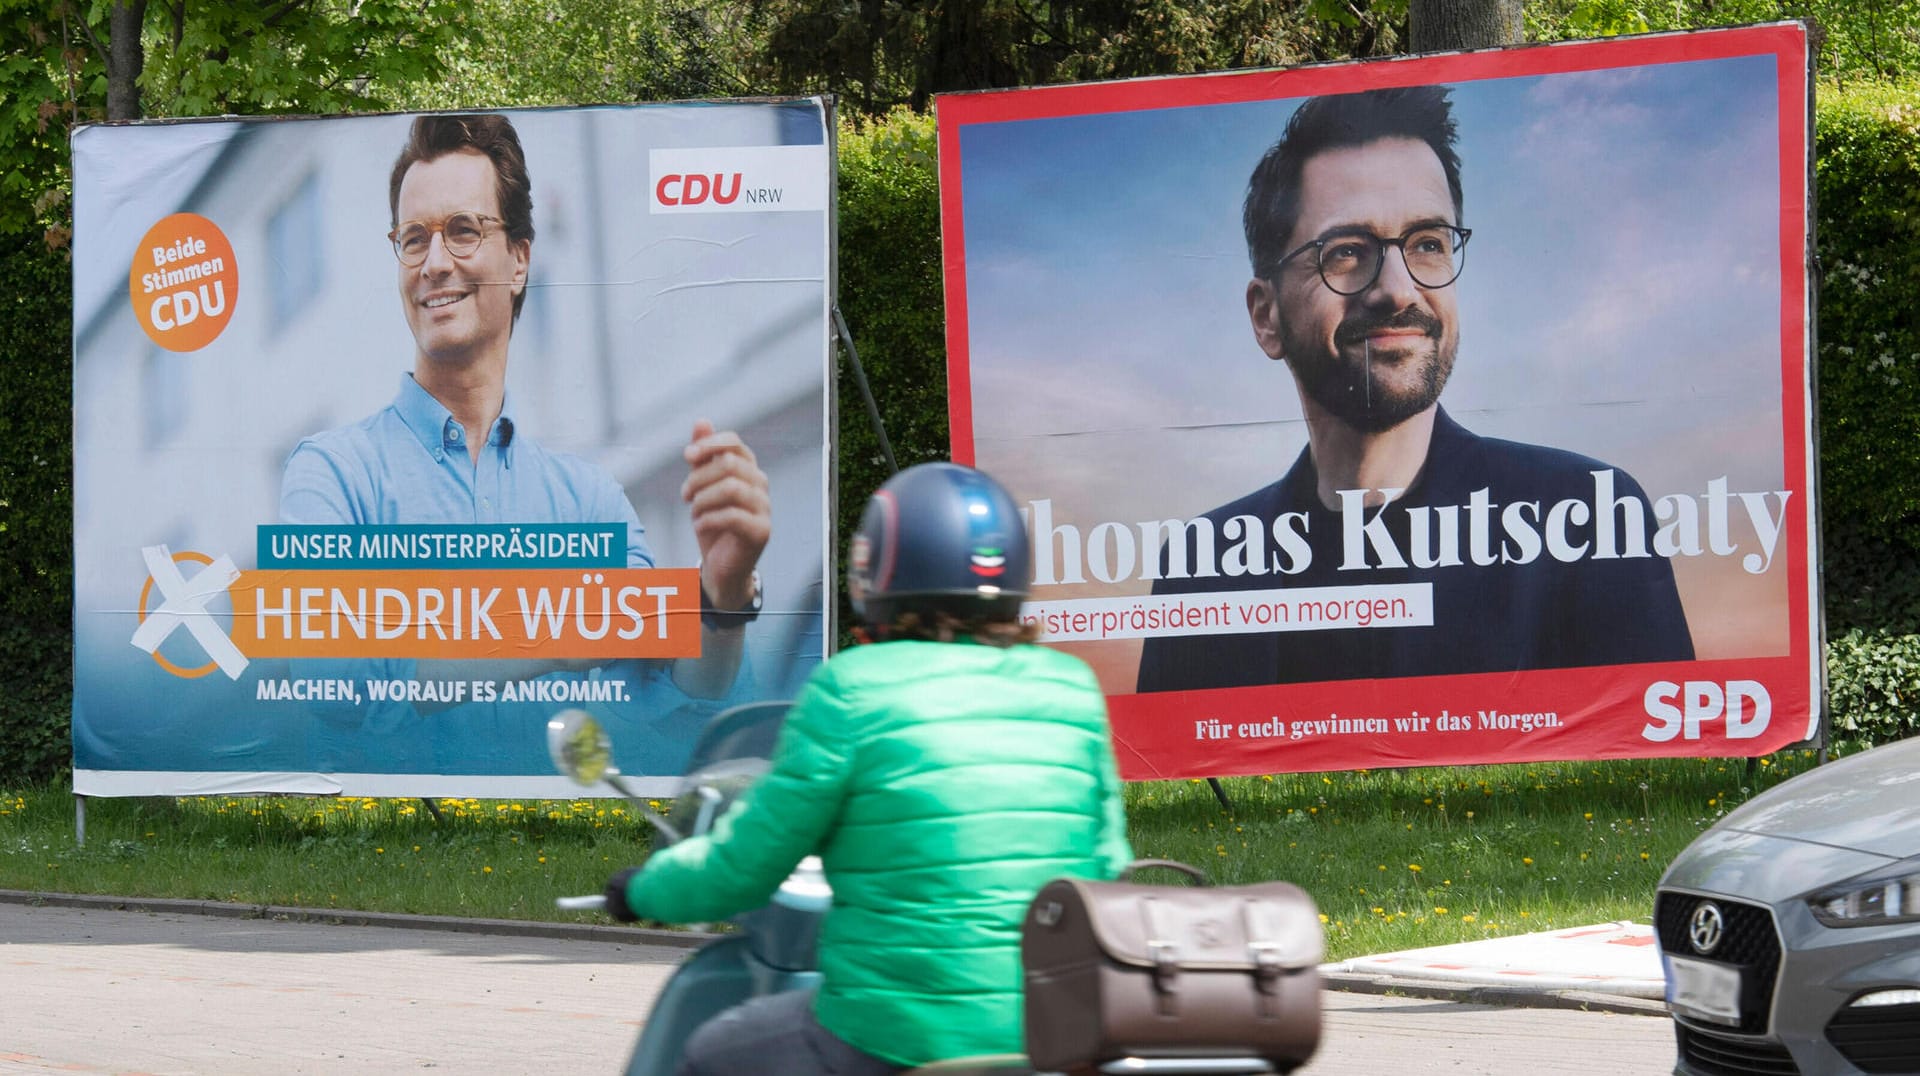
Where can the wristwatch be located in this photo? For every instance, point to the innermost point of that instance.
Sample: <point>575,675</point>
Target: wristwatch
<point>731,618</point>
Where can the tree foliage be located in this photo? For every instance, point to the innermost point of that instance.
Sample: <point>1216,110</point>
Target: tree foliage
<point>882,54</point>
<point>1875,40</point>
<point>83,61</point>
<point>555,52</point>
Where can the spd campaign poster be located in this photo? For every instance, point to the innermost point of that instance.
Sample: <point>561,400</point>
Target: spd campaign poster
<point>396,435</point>
<point>1436,410</point>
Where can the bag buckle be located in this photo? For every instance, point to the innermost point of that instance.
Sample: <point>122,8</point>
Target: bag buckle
<point>1266,965</point>
<point>1166,968</point>
<point>1166,960</point>
<point>1048,914</point>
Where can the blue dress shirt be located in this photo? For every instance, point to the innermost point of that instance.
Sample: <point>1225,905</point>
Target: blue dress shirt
<point>409,463</point>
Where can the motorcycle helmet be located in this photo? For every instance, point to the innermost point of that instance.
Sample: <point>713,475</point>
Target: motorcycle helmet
<point>939,538</point>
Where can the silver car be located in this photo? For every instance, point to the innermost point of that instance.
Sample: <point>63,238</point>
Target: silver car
<point>1790,930</point>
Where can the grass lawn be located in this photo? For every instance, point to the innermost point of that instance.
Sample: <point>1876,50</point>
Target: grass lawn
<point>1396,859</point>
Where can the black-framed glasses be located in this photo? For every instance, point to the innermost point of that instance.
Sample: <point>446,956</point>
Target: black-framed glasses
<point>462,233</point>
<point>1350,261</point>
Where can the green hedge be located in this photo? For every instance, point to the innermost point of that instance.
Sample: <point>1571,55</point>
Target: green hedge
<point>890,291</point>
<point>1868,232</point>
<point>36,509</point>
<point>890,294</point>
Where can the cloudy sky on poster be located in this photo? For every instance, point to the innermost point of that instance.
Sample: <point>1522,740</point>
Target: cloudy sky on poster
<point>1620,296</point>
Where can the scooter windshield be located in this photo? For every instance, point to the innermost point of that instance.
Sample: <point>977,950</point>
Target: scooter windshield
<point>733,751</point>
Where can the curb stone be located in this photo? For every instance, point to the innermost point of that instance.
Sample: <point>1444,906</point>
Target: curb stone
<point>593,932</point>
<point>1348,982</point>
<point>1508,996</point>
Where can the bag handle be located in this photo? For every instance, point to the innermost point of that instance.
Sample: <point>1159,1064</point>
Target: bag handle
<point>1199,876</point>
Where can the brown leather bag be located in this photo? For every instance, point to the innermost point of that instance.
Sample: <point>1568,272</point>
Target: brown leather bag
<point>1117,969</point>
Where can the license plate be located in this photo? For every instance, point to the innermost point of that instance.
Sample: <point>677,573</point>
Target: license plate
<point>1703,990</point>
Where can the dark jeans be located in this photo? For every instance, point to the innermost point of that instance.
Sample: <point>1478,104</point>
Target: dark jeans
<point>776,1033</point>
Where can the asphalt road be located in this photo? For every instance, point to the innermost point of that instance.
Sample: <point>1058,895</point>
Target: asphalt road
<point>93,991</point>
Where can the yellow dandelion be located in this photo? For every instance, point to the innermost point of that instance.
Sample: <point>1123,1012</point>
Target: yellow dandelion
<point>1589,816</point>
<point>1414,867</point>
<point>1323,919</point>
<point>486,870</point>
<point>1527,860</point>
<point>1645,855</point>
<point>1467,918</point>
<point>379,851</point>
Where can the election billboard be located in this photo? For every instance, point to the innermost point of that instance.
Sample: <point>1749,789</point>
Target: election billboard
<point>1434,410</point>
<point>397,435</point>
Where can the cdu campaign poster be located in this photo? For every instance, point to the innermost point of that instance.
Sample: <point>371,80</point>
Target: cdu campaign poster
<point>1437,410</point>
<point>397,435</point>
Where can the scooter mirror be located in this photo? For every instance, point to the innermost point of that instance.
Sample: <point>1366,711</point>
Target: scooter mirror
<point>582,750</point>
<point>579,747</point>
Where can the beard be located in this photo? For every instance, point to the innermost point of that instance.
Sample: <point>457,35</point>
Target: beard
<point>1358,392</point>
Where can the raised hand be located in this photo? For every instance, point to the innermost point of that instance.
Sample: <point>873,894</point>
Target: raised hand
<point>732,514</point>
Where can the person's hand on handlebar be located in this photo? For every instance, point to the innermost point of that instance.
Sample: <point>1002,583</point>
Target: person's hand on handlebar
<point>617,896</point>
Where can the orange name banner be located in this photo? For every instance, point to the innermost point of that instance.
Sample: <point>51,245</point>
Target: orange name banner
<point>560,613</point>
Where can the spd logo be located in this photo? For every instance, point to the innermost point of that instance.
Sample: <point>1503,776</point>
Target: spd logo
<point>1681,709</point>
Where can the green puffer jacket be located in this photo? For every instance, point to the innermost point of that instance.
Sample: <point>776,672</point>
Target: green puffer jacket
<point>942,784</point>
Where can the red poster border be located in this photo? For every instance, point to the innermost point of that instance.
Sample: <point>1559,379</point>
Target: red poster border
<point>1141,741</point>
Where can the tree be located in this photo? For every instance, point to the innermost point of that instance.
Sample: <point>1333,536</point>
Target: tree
<point>83,61</point>
<point>552,52</point>
<point>1852,41</point>
<point>879,54</point>
<point>1448,25</point>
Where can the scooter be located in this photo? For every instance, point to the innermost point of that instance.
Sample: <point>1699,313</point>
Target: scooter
<point>773,948</point>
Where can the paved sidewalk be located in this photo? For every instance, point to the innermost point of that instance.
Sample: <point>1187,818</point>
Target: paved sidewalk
<point>1609,967</point>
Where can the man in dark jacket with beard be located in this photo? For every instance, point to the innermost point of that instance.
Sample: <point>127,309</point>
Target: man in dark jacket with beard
<point>1536,558</point>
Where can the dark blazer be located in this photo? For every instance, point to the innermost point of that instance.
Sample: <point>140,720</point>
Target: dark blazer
<point>1542,614</point>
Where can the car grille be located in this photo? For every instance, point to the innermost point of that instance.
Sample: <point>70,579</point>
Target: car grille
<point>1706,1054</point>
<point>1879,1038</point>
<point>1749,943</point>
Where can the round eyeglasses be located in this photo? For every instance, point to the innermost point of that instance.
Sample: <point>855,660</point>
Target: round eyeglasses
<point>461,233</point>
<point>1350,261</point>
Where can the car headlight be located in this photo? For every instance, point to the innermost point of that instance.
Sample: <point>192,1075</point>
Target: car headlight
<point>1888,895</point>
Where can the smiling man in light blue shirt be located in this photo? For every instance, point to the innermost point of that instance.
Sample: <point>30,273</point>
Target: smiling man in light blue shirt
<point>448,450</point>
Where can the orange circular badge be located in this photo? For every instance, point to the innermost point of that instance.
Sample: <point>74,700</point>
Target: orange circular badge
<point>184,282</point>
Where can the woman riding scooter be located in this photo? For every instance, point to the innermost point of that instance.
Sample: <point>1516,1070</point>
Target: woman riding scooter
<point>943,774</point>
